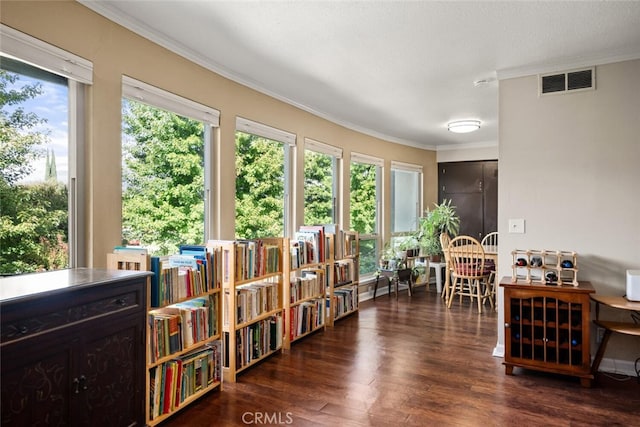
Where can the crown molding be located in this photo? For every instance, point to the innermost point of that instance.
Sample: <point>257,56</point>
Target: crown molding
<point>145,31</point>
<point>567,64</point>
<point>467,146</point>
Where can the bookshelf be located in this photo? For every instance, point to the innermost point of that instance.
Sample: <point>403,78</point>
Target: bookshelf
<point>308,262</point>
<point>342,293</point>
<point>253,313</point>
<point>184,334</point>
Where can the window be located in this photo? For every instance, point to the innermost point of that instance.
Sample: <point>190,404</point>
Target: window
<point>263,159</point>
<point>406,199</point>
<point>40,179</point>
<point>166,158</point>
<point>320,182</point>
<point>365,197</point>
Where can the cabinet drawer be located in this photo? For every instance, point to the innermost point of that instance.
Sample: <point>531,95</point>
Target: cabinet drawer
<point>22,322</point>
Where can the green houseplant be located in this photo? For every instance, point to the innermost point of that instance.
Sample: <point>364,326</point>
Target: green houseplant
<point>441,219</point>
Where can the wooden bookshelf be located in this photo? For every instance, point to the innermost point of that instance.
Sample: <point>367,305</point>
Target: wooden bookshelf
<point>184,335</point>
<point>342,293</point>
<point>253,312</point>
<point>308,278</point>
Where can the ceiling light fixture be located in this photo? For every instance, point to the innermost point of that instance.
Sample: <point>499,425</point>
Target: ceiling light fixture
<point>464,126</point>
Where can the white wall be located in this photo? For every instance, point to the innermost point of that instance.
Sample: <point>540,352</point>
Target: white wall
<point>570,166</point>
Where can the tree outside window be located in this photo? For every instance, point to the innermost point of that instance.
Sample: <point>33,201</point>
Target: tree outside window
<point>34,214</point>
<point>364,212</point>
<point>260,187</point>
<point>162,178</point>
<point>318,188</point>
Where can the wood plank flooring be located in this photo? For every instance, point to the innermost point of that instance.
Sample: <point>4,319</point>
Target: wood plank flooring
<point>410,362</point>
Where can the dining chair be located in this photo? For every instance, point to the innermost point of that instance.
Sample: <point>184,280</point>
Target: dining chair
<point>445,239</point>
<point>468,270</point>
<point>490,244</point>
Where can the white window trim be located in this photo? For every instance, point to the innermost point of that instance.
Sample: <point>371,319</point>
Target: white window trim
<point>259,129</point>
<point>321,147</point>
<point>409,167</point>
<point>160,98</point>
<point>25,48</point>
<point>365,158</point>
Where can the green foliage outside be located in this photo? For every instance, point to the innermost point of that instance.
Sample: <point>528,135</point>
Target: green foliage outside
<point>33,217</point>
<point>363,198</point>
<point>318,188</point>
<point>163,179</point>
<point>363,212</point>
<point>259,187</point>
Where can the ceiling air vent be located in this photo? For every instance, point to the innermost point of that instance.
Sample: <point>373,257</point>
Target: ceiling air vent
<point>567,81</point>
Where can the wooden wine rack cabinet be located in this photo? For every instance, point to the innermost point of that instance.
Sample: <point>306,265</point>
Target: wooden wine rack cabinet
<point>547,328</point>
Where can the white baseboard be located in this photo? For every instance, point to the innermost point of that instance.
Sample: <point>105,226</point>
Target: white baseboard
<point>498,350</point>
<point>614,366</point>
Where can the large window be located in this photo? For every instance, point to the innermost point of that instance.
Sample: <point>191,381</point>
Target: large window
<point>39,175</point>
<point>406,199</point>
<point>165,161</point>
<point>320,182</point>
<point>263,158</point>
<point>365,197</point>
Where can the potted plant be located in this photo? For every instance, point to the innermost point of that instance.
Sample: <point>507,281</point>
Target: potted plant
<point>441,219</point>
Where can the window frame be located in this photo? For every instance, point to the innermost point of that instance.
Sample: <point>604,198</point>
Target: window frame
<point>288,140</point>
<point>336,155</point>
<point>156,97</point>
<point>376,235</point>
<point>79,74</point>
<point>406,167</point>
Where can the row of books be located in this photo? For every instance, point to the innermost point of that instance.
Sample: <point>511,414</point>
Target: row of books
<point>303,252</point>
<point>306,317</point>
<point>255,299</point>
<point>192,272</point>
<point>344,271</point>
<point>307,286</point>
<point>256,340</point>
<point>172,382</point>
<point>255,258</point>
<point>179,326</point>
<point>345,300</point>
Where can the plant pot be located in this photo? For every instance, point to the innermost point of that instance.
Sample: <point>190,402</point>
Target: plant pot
<point>435,258</point>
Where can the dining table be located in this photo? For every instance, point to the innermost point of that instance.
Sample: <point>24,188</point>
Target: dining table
<point>490,253</point>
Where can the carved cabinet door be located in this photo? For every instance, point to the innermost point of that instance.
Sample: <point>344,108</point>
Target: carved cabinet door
<point>36,391</point>
<point>111,384</point>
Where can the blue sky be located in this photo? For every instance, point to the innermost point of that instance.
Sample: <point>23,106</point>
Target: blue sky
<point>52,105</point>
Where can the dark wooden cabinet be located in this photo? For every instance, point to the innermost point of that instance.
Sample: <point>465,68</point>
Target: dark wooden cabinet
<point>472,188</point>
<point>547,328</point>
<point>73,348</point>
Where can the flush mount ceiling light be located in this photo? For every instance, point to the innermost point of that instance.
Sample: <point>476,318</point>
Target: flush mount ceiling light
<point>464,126</point>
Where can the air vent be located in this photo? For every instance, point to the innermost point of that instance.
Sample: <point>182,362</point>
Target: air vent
<point>568,81</point>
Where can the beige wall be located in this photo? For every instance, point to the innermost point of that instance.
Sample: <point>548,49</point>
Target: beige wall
<point>570,166</point>
<point>115,52</point>
<point>469,152</point>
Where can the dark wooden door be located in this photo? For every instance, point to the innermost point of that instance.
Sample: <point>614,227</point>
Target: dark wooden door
<point>473,190</point>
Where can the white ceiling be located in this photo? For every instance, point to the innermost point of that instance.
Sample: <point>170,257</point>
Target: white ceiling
<point>399,70</point>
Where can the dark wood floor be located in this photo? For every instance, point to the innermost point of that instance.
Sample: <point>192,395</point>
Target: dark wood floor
<point>409,362</point>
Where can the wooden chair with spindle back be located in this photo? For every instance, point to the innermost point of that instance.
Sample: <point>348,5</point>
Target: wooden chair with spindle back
<point>468,269</point>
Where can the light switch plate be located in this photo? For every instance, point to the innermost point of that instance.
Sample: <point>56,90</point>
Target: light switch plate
<point>516,226</point>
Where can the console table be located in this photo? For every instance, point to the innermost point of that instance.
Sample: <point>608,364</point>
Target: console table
<point>626,328</point>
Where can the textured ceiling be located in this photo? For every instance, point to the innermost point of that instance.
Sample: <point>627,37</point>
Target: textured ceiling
<point>399,70</point>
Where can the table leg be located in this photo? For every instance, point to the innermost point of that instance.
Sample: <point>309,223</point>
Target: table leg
<point>600,353</point>
<point>439,279</point>
<point>375,288</point>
